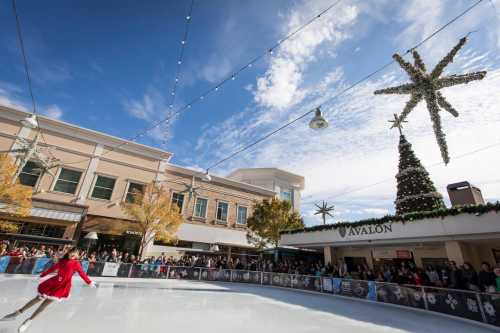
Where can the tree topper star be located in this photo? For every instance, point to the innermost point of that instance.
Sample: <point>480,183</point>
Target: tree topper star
<point>426,86</point>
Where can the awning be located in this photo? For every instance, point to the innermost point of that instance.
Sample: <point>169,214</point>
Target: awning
<point>37,239</point>
<point>213,235</point>
<point>56,214</point>
<point>53,211</point>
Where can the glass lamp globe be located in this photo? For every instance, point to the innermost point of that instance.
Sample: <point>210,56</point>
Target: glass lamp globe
<point>318,121</point>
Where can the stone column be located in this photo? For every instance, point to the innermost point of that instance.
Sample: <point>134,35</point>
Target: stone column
<point>329,256</point>
<point>454,251</point>
<point>88,178</point>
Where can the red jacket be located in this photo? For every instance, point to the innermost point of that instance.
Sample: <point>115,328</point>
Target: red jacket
<point>59,286</point>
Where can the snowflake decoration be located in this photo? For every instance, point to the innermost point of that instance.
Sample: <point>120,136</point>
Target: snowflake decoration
<point>426,86</point>
<point>398,293</point>
<point>472,305</point>
<point>431,298</point>
<point>451,301</point>
<point>489,308</point>
<point>417,296</point>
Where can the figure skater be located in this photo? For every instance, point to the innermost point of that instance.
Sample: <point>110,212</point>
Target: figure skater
<point>56,288</point>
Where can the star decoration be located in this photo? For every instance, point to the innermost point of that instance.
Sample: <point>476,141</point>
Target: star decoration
<point>426,86</point>
<point>324,210</point>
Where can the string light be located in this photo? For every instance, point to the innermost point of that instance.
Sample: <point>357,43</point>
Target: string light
<point>365,78</point>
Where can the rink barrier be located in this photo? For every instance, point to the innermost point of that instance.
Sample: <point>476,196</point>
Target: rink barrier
<point>475,306</point>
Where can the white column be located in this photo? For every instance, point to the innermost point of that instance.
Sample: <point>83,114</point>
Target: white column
<point>328,254</point>
<point>454,252</point>
<point>160,174</point>
<point>89,174</point>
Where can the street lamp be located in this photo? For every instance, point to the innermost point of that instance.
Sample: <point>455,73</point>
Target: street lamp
<point>30,122</point>
<point>91,236</point>
<point>318,121</point>
<point>206,177</point>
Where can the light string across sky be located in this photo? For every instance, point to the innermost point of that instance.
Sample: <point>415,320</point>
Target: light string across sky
<point>232,77</point>
<point>269,51</point>
<point>350,87</point>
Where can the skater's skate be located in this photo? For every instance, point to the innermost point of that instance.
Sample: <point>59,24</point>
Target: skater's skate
<point>11,316</point>
<point>24,326</point>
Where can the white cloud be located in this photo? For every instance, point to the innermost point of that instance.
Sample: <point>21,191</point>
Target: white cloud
<point>153,107</point>
<point>53,112</point>
<point>281,86</point>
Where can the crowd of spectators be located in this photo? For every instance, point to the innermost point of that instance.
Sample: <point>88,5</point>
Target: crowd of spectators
<point>449,275</point>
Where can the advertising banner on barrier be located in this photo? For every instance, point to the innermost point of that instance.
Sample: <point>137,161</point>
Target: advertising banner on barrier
<point>85,265</point>
<point>327,285</point>
<point>491,308</point>
<point>110,269</point>
<point>336,284</point>
<point>372,291</point>
<point>41,264</point>
<point>4,263</point>
<point>454,302</point>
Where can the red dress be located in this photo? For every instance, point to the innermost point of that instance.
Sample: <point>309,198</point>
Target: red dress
<point>59,286</point>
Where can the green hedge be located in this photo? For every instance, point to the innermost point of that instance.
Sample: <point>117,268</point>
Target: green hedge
<point>410,217</point>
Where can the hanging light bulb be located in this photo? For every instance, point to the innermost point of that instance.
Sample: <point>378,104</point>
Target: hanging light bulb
<point>183,42</point>
<point>318,121</point>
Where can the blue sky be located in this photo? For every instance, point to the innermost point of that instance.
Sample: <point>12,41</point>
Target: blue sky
<point>110,65</point>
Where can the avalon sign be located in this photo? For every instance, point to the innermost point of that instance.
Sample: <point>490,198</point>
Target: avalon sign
<point>364,230</point>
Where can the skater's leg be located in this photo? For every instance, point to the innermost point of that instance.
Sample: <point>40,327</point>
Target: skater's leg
<point>16,313</point>
<point>30,304</point>
<point>41,308</point>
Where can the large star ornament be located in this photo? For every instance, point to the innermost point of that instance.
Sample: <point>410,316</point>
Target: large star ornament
<point>426,87</point>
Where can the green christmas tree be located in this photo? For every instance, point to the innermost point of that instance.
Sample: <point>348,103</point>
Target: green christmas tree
<point>416,192</point>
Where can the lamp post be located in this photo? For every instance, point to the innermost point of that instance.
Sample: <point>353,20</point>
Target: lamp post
<point>91,236</point>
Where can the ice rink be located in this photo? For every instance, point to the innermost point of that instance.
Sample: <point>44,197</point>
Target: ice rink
<point>141,306</point>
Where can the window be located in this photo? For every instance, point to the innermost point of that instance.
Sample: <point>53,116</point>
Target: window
<point>103,188</point>
<point>286,195</point>
<point>222,209</point>
<point>178,199</point>
<point>67,181</point>
<point>29,175</point>
<point>200,208</point>
<point>241,217</point>
<point>134,189</point>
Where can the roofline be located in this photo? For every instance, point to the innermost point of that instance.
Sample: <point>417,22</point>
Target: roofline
<point>87,134</point>
<point>300,179</point>
<point>221,180</point>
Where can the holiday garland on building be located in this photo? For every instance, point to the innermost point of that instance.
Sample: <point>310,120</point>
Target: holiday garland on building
<point>426,86</point>
<point>416,192</point>
<point>442,213</point>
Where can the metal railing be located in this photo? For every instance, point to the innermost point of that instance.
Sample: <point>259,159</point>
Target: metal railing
<point>480,307</point>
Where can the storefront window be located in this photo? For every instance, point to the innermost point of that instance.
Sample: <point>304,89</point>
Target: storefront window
<point>286,195</point>
<point>222,209</point>
<point>29,176</point>
<point>242,215</point>
<point>68,181</point>
<point>200,209</point>
<point>134,189</point>
<point>103,188</point>
<point>178,199</point>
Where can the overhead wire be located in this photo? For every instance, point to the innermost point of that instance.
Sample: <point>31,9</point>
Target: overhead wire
<point>469,153</point>
<point>218,85</point>
<point>350,87</point>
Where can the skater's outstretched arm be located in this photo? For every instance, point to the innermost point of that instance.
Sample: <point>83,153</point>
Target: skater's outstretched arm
<point>82,274</point>
<point>50,270</point>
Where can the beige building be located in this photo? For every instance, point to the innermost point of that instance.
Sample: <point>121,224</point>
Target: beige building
<point>462,238</point>
<point>84,192</point>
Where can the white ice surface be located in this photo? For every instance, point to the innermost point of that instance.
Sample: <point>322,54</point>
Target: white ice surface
<point>143,306</point>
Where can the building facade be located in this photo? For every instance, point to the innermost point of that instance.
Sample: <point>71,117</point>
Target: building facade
<point>97,172</point>
<point>466,237</point>
<point>286,185</point>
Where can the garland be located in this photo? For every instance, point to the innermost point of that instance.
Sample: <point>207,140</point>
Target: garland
<point>410,217</point>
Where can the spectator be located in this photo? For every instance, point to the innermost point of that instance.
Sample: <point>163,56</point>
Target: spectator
<point>433,276</point>
<point>487,278</point>
<point>469,278</point>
